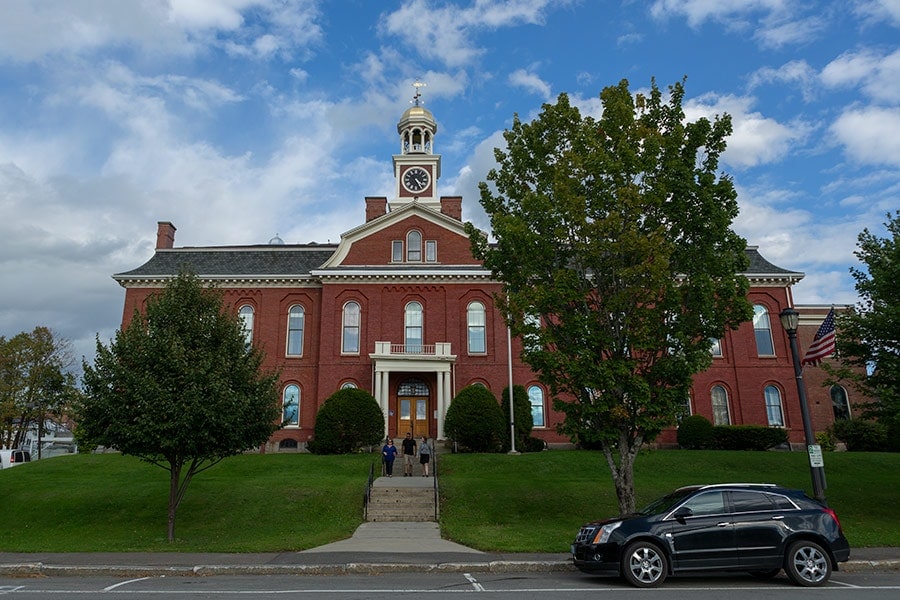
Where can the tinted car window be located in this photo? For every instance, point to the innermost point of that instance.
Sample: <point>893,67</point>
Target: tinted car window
<point>781,502</point>
<point>707,503</point>
<point>665,503</point>
<point>750,502</point>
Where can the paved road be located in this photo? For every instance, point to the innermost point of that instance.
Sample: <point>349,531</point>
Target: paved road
<point>523,586</point>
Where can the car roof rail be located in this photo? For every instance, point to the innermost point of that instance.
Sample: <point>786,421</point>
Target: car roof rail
<point>715,485</point>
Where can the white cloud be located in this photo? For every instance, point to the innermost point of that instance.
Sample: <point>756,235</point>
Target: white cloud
<point>773,23</point>
<point>870,135</point>
<point>877,11</point>
<point>444,33</point>
<point>30,31</point>
<point>756,139</point>
<point>877,75</point>
<point>530,82</point>
<point>795,72</point>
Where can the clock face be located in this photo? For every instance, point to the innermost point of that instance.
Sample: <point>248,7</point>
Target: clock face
<point>416,179</point>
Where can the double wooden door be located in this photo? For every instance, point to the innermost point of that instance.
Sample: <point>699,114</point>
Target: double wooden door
<point>412,416</point>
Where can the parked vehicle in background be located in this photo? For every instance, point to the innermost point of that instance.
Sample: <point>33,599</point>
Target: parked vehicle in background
<point>11,458</point>
<point>758,528</point>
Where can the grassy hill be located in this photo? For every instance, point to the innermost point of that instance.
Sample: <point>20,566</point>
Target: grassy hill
<point>281,502</point>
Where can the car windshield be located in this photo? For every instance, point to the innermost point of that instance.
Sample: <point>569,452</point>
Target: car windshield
<point>665,503</point>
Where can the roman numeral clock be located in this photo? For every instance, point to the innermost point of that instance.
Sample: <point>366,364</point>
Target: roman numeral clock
<point>417,168</point>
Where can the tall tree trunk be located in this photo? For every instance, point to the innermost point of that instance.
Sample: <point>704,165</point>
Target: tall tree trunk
<point>174,497</point>
<point>622,471</point>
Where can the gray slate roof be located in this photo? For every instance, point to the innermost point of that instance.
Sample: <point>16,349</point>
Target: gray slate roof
<point>265,260</point>
<point>300,260</point>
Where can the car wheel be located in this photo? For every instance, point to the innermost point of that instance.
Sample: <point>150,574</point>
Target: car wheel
<point>765,574</point>
<point>644,565</point>
<point>807,564</point>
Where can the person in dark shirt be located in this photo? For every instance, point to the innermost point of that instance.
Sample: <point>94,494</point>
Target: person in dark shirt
<point>410,448</point>
<point>388,454</point>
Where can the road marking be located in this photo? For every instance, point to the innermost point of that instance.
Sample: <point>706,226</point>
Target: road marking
<point>478,587</point>
<point>121,583</point>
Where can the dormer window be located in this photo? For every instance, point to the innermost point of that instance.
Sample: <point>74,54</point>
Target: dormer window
<point>412,251</point>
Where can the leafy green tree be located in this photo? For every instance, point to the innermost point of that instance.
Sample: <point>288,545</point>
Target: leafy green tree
<point>475,421</point>
<point>347,420</point>
<point>868,340</point>
<point>36,386</point>
<point>524,421</point>
<point>178,388</point>
<point>615,248</point>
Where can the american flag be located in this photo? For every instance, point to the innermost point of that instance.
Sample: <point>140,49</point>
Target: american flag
<point>823,343</point>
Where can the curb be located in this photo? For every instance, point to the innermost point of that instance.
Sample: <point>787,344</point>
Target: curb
<point>498,566</point>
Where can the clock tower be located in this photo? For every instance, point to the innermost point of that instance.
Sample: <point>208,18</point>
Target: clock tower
<point>417,168</point>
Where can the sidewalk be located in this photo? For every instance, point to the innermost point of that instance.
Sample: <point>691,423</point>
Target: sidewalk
<point>374,548</point>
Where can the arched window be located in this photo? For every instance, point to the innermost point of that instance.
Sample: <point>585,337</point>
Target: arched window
<point>348,385</point>
<point>774,412</point>
<point>350,338</point>
<point>413,387</point>
<point>763,331</point>
<point>413,246</point>
<point>246,315</point>
<point>841,403</point>
<point>719,399</point>
<point>413,333</point>
<point>291,405</point>
<point>296,319</point>
<point>536,398</point>
<point>476,322</point>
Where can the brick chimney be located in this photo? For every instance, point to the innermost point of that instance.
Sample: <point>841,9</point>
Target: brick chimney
<point>165,235</point>
<point>376,206</point>
<point>452,206</point>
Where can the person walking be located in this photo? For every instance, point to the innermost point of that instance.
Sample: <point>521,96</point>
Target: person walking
<point>425,452</point>
<point>388,454</point>
<point>409,447</point>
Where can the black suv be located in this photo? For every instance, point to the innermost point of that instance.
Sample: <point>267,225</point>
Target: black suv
<point>759,528</point>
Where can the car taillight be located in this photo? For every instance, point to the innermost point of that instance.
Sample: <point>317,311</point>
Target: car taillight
<point>830,511</point>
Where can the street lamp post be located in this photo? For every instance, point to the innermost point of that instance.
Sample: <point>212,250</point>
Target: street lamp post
<point>790,319</point>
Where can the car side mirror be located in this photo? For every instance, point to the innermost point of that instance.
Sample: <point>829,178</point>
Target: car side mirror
<point>682,513</point>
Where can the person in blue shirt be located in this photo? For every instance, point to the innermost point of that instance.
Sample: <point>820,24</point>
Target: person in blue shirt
<point>388,454</point>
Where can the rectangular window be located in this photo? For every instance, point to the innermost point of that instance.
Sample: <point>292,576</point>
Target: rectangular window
<point>715,347</point>
<point>430,250</point>
<point>397,251</point>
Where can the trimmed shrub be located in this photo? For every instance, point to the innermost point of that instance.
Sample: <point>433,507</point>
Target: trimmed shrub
<point>524,420</point>
<point>474,420</point>
<point>826,440</point>
<point>861,435</point>
<point>695,433</point>
<point>747,437</point>
<point>346,421</point>
<point>533,444</point>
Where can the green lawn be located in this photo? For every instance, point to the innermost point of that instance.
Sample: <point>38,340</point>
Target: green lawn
<point>282,502</point>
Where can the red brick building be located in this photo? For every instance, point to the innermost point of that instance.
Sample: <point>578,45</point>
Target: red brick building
<point>401,309</point>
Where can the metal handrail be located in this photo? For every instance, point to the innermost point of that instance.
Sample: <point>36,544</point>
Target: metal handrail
<point>434,476</point>
<point>367,496</point>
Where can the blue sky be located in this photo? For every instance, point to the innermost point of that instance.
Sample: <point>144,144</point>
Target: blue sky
<point>240,119</point>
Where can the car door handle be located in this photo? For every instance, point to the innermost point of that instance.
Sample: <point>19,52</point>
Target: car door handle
<point>723,524</point>
<point>778,518</point>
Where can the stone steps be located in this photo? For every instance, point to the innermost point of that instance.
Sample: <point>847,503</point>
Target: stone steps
<point>391,503</point>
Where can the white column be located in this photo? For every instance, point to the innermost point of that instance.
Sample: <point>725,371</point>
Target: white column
<point>443,400</point>
<point>382,395</point>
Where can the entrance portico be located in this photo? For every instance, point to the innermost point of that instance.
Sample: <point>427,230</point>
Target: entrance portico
<point>434,359</point>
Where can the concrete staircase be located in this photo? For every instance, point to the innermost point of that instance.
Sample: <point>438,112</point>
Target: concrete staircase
<point>402,499</point>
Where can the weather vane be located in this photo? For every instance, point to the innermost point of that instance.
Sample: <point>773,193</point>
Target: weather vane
<point>416,98</point>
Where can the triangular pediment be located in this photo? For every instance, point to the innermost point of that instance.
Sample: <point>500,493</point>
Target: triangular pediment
<point>370,244</point>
